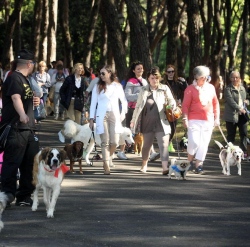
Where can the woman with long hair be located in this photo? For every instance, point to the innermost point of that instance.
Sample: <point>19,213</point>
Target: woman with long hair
<point>177,86</point>
<point>105,110</point>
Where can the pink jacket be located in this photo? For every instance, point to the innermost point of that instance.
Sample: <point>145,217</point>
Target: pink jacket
<point>193,108</point>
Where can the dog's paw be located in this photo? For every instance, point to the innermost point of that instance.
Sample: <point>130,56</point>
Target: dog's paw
<point>50,213</point>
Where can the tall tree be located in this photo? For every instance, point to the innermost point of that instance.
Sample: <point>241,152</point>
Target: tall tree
<point>110,15</point>
<point>139,43</point>
<point>91,32</point>
<point>13,18</point>
<point>37,20</point>
<point>193,29</point>
<point>44,32</point>
<point>53,6</point>
<point>64,22</point>
<point>172,35</point>
<point>245,40</point>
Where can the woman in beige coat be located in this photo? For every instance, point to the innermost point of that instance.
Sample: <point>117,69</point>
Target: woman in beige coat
<point>149,118</point>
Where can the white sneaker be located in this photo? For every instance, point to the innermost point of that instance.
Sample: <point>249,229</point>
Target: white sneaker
<point>154,156</point>
<point>61,137</point>
<point>121,155</point>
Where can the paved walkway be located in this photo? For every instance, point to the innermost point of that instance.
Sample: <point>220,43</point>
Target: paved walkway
<point>130,209</point>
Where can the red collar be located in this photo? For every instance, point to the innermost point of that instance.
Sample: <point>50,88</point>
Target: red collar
<point>63,167</point>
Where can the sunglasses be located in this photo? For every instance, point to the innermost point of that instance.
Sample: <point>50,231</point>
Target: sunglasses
<point>33,62</point>
<point>170,71</point>
<point>102,73</point>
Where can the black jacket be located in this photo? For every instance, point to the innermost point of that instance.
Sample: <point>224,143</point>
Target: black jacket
<point>67,88</point>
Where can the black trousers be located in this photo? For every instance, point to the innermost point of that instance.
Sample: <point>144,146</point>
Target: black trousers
<point>129,116</point>
<point>231,131</point>
<point>173,129</point>
<point>21,148</point>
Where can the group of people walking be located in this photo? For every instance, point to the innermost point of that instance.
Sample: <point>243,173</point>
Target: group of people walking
<point>139,103</point>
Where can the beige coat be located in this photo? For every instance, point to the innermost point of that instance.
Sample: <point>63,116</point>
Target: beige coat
<point>160,99</point>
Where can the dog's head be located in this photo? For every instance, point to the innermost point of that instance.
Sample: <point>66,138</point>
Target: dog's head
<point>237,153</point>
<point>181,164</point>
<point>77,148</point>
<point>53,157</point>
<point>126,135</point>
<point>184,142</point>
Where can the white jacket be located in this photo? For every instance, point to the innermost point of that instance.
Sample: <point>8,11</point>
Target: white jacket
<point>100,102</point>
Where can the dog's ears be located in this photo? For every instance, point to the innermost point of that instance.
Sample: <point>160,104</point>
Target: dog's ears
<point>44,153</point>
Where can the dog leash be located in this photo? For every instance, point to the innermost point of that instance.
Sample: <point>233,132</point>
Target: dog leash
<point>223,134</point>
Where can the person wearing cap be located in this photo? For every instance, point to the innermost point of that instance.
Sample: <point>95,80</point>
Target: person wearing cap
<point>149,118</point>
<point>22,144</point>
<point>201,112</point>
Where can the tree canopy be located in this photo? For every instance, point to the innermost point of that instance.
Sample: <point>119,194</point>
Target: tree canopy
<point>185,33</point>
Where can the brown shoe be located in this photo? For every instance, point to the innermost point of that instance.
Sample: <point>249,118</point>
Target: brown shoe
<point>165,172</point>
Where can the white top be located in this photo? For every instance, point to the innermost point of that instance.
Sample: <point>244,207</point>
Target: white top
<point>108,101</point>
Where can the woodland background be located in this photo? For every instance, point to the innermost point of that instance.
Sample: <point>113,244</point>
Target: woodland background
<point>157,32</point>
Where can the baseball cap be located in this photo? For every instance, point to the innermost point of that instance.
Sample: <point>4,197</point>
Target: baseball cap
<point>25,54</point>
<point>53,62</point>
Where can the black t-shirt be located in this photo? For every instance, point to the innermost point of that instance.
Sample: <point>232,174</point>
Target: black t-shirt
<point>17,83</point>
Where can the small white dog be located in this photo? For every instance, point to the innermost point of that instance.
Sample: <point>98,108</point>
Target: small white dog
<point>83,133</point>
<point>48,173</point>
<point>230,156</point>
<point>3,203</point>
<point>179,168</point>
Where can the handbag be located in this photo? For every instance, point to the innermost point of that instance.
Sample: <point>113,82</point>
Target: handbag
<point>40,112</point>
<point>5,130</point>
<point>79,104</point>
<point>173,115</point>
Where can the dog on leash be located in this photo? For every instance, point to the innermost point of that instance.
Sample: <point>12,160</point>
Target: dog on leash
<point>138,139</point>
<point>230,156</point>
<point>3,203</point>
<point>48,173</point>
<point>74,152</point>
<point>83,133</point>
<point>179,168</point>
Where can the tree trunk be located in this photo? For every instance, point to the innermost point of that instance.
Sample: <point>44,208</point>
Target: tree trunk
<point>110,16</point>
<point>64,21</point>
<point>13,18</point>
<point>139,43</point>
<point>51,55</point>
<point>104,46</point>
<point>172,35</point>
<point>44,33</point>
<point>193,28</point>
<point>37,19</point>
<point>91,32</point>
<point>245,41</point>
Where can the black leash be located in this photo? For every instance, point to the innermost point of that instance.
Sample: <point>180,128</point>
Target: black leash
<point>96,156</point>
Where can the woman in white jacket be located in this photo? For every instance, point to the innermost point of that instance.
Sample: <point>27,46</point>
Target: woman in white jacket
<point>149,118</point>
<point>105,110</point>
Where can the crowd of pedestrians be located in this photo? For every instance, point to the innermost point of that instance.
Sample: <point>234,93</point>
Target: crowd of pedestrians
<point>137,103</point>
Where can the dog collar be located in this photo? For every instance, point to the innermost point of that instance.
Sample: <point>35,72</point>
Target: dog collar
<point>63,167</point>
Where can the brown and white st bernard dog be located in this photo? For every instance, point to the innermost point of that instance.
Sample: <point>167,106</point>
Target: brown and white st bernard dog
<point>48,173</point>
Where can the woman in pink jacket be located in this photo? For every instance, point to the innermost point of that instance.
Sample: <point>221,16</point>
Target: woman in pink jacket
<point>201,112</point>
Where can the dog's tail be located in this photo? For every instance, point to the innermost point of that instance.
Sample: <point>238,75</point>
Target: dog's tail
<point>173,161</point>
<point>70,129</point>
<point>219,144</point>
